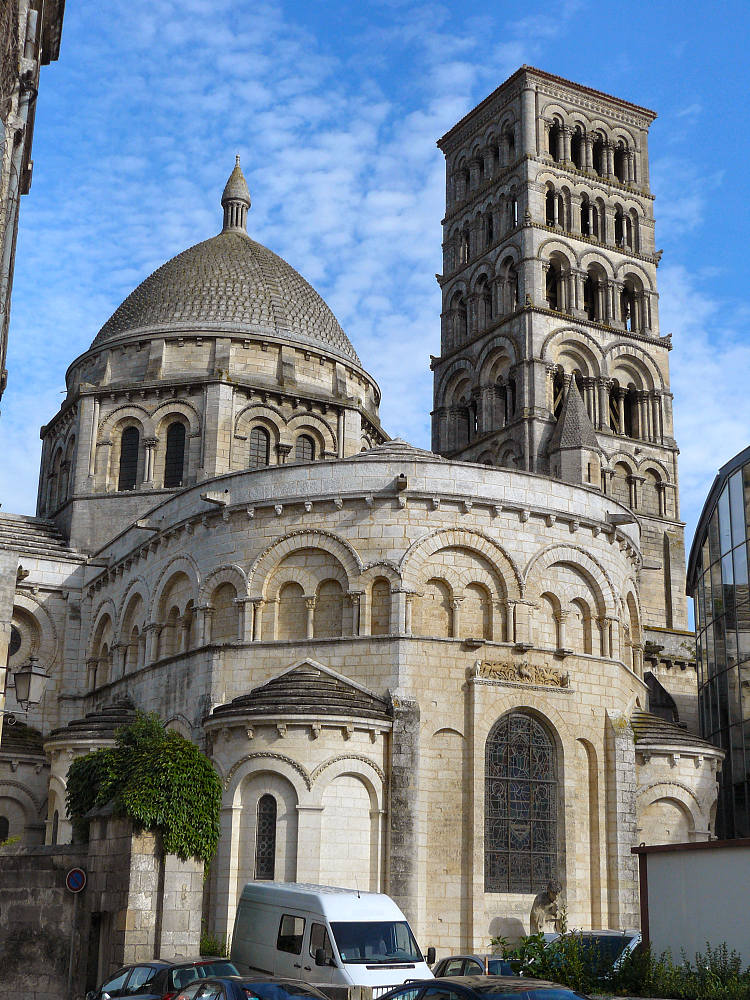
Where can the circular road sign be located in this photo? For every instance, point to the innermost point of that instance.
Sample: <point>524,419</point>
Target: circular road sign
<point>75,880</point>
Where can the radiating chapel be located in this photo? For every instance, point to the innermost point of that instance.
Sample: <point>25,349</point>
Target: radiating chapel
<point>450,675</point>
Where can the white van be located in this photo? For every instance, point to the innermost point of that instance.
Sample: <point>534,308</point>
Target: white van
<point>326,935</point>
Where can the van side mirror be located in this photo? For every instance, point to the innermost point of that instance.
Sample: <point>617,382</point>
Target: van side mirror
<point>321,957</point>
<point>431,955</point>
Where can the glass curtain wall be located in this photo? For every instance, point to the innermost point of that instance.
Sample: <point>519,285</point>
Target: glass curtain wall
<point>722,620</point>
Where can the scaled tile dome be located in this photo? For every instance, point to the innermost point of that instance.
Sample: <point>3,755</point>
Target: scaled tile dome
<point>232,284</point>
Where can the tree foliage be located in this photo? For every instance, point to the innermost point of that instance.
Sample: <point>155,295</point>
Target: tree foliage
<point>158,780</point>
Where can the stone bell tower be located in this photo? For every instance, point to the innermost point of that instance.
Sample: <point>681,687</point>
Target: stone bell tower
<point>549,278</point>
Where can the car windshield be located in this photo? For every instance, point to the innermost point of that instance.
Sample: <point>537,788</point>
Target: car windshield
<point>499,967</point>
<point>185,974</point>
<point>607,947</point>
<point>280,991</point>
<point>375,942</point>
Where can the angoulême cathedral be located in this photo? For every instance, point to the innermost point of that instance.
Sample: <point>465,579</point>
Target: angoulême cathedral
<point>449,675</point>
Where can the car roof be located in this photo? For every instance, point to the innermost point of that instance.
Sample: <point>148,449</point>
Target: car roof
<point>259,977</point>
<point>480,958</point>
<point>485,983</point>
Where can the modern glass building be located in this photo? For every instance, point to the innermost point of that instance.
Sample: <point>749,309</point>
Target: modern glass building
<point>718,583</point>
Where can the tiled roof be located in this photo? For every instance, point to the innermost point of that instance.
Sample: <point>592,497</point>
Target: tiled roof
<point>229,284</point>
<point>100,725</point>
<point>308,690</point>
<point>574,428</point>
<point>651,730</point>
<point>20,739</point>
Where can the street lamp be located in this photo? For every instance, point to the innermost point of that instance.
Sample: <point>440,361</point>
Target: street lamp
<point>30,681</point>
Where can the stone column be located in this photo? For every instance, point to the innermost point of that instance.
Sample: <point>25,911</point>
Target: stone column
<point>661,489</point>
<point>604,644</point>
<point>588,153</point>
<point>310,609</point>
<point>621,394</point>
<point>153,632</point>
<point>456,625</point>
<point>404,809</point>
<point>614,637</point>
<point>148,466</point>
<point>499,618</point>
<point>610,160</point>
<point>589,395</point>
<point>567,134</point>
<point>604,386</point>
<point>119,649</point>
<point>620,794</point>
<point>354,599</point>
<point>656,416</point>
<point>246,609</point>
<point>528,120</point>
<point>561,618</point>
<point>408,612</point>
<point>257,603</point>
<point>208,615</point>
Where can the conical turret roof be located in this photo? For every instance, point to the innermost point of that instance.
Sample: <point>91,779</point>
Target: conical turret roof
<point>574,428</point>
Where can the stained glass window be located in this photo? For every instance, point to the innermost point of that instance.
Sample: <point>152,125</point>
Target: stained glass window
<point>520,806</point>
<point>265,838</point>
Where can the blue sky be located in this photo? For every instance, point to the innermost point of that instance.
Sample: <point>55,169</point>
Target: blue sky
<point>335,108</point>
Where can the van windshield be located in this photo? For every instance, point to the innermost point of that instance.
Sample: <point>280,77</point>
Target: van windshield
<point>375,942</point>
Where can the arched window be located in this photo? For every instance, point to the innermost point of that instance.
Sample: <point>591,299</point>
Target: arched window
<point>589,297</point>
<point>304,449</point>
<point>555,142</point>
<point>489,230</point>
<point>520,806</point>
<point>129,446</point>
<point>174,461</point>
<point>4,828</point>
<point>265,838</point>
<point>260,448</point>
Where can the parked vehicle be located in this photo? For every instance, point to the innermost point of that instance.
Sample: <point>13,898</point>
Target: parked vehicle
<point>250,988</point>
<point>326,935</point>
<point>482,988</point>
<point>159,979</point>
<point>609,947</point>
<point>474,965</point>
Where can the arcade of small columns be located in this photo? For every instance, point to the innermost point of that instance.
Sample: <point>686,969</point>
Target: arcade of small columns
<point>609,295</point>
<point>492,406</point>
<point>511,620</point>
<point>559,142</point>
<point>619,304</point>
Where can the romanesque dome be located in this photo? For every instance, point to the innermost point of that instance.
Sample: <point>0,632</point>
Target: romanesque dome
<point>229,284</point>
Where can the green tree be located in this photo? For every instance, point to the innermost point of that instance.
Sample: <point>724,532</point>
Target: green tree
<point>158,780</point>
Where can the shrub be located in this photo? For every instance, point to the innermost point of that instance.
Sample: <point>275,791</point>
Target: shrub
<point>157,779</point>
<point>715,974</point>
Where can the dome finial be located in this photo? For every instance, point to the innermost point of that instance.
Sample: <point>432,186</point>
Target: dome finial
<point>236,200</point>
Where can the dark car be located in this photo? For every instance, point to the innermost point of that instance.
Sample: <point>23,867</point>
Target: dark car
<point>482,988</point>
<point>473,965</point>
<point>250,988</point>
<point>159,979</point>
